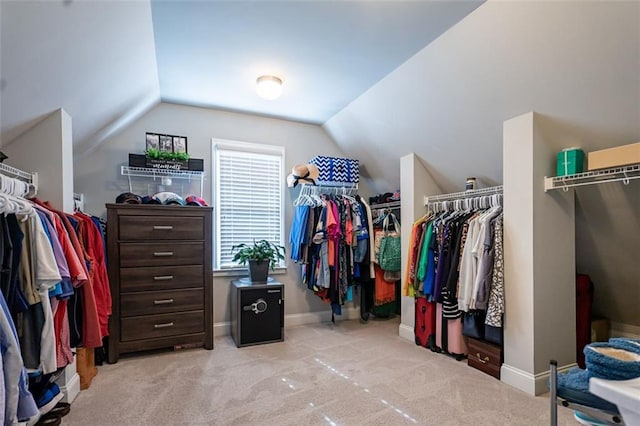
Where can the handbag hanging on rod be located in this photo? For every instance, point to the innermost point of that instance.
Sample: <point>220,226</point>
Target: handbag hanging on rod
<point>389,256</point>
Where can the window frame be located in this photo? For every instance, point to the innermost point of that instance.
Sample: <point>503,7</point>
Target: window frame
<point>247,147</point>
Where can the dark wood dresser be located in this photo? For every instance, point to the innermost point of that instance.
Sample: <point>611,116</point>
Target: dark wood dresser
<point>159,261</point>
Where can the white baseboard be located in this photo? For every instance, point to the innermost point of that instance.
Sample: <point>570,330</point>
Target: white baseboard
<point>406,332</point>
<point>222,328</point>
<point>69,381</point>
<point>292,320</point>
<point>618,329</point>
<point>533,384</point>
<point>70,389</point>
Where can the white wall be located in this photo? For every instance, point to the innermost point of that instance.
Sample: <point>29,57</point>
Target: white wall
<point>576,63</point>
<point>47,148</point>
<point>539,258</point>
<point>607,247</point>
<point>415,184</point>
<point>98,175</point>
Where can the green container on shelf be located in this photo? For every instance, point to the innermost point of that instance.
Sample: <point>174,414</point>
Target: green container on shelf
<point>570,161</point>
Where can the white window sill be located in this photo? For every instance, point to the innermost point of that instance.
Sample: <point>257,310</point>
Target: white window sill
<point>242,272</point>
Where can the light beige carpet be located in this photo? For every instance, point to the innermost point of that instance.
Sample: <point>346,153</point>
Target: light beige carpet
<point>323,374</point>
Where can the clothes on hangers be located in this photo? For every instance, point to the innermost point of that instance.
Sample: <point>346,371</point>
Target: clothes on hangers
<point>455,258</point>
<point>329,237</point>
<point>49,259</point>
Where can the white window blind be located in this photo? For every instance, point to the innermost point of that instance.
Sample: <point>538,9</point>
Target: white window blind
<point>248,197</point>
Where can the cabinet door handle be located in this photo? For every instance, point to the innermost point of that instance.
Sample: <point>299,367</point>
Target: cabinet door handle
<point>162,227</point>
<point>484,361</point>
<point>162,253</point>
<point>163,278</point>
<point>165,325</point>
<point>163,302</point>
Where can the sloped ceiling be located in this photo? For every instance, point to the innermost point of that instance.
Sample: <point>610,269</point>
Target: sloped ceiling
<point>107,62</point>
<point>327,52</point>
<point>94,59</point>
<point>576,62</point>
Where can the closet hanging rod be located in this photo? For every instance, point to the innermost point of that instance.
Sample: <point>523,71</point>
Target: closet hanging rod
<point>389,205</point>
<point>336,190</point>
<point>463,194</point>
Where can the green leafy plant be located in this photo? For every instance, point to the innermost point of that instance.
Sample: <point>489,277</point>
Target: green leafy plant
<point>260,251</point>
<point>153,153</point>
<point>156,154</point>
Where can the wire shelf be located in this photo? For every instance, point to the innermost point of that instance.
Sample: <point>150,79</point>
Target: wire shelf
<point>29,178</point>
<point>151,181</point>
<point>463,194</point>
<point>390,205</point>
<point>614,174</point>
<point>17,173</point>
<point>332,184</point>
<point>153,173</point>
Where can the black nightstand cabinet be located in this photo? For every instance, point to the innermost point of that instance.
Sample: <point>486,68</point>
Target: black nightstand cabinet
<point>257,312</point>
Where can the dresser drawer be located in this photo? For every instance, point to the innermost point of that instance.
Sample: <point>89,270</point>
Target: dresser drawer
<point>160,254</point>
<point>161,302</point>
<point>485,357</point>
<point>152,278</point>
<point>163,325</point>
<point>136,228</point>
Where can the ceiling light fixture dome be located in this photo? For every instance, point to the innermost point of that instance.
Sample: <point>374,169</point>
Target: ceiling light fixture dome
<point>269,87</point>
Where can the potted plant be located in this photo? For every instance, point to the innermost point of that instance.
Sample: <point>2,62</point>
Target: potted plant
<point>261,255</point>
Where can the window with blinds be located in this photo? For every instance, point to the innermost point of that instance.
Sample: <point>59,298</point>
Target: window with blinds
<point>249,197</point>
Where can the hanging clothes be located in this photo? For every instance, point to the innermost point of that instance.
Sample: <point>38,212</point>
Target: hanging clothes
<point>456,259</point>
<point>91,331</point>
<point>49,258</point>
<point>329,238</point>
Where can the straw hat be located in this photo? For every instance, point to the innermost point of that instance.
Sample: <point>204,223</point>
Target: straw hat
<point>303,174</point>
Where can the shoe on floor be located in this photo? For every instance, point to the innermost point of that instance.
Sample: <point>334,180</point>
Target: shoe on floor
<point>61,409</point>
<point>49,398</point>
<point>47,420</point>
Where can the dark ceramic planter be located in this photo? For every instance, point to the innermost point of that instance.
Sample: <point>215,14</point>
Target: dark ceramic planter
<point>258,271</point>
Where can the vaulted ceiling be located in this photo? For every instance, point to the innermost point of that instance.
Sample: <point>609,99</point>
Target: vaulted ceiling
<point>107,62</point>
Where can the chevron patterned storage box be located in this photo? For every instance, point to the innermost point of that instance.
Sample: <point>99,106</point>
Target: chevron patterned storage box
<point>337,170</point>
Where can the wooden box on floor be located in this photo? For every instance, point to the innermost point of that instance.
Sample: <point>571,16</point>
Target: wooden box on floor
<point>85,360</point>
<point>485,357</point>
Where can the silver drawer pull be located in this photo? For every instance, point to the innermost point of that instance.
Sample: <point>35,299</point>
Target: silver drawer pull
<point>162,227</point>
<point>162,253</point>
<point>484,361</point>
<point>163,278</point>
<point>165,325</point>
<point>163,302</point>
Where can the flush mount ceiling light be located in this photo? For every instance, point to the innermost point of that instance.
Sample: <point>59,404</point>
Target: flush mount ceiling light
<point>269,87</point>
